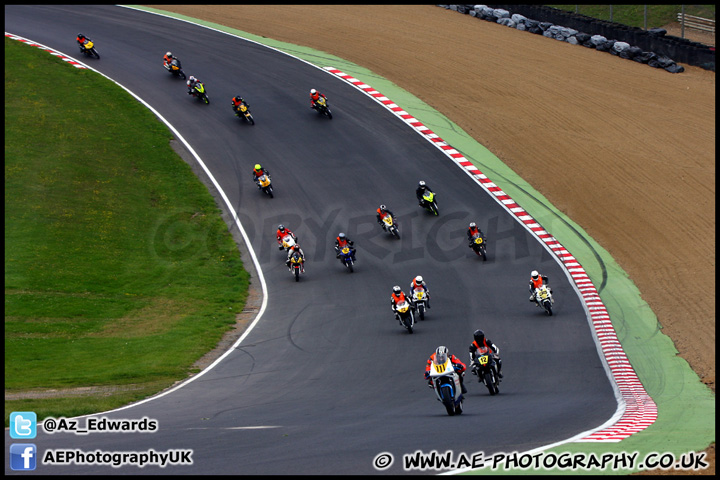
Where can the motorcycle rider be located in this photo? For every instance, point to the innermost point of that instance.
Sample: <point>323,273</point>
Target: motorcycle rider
<point>440,357</point>
<point>314,97</point>
<point>281,232</point>
<point>482,345</point>
<point>236,102</point>
<point>472,231</point>
<point>418,282</point>
<point>259,171</point>
<point>167,59</point>
<point>381,213</point>
<point>191,84</point>
<point>82,40</point>
<point>536,281</point>
<point>398,296</point>
<point>341,241</point>
<point>296,248</point>
<point>420,191</point>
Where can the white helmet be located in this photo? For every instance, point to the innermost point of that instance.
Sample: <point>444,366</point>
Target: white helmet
<point>168,54</point>
<point>418,279</point>
<point>192,79</point>
<point>313,91</point>
<point>534,274</point>
<point>421,183</point>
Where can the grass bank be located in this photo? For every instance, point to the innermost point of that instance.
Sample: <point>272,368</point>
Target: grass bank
<point>119,270</point>
<point>634,15</point>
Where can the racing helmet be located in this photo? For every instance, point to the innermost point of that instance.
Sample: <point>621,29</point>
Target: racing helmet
<point>479,336</point>
<point>419,279</point>
<point>313,91</point>
<point>421,184</point>
<point>281,227</point>
<point>441,355</point>
<point>169,55</point>
<point>383,207</point>
<point>80,35</point>
<point>296,247</point>
<point>257,166</point>
<point>472,225</point>
<point>341,235</point>
<point>534,274</point>
<point>396,289</point>
<point>192,79</point>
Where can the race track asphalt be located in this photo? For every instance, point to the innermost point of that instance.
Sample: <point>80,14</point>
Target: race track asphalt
<point>327,370</point>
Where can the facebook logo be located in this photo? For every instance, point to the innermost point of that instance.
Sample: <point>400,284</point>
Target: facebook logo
<point>22,456</point>
<point>23,425</point>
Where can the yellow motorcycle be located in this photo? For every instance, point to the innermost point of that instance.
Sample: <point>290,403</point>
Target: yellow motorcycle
<point>265,186</point>
<point>322,107</point>
<point>88,49</point>
<point>296,265</point>
<point>244,111</point>
<point>390,226</point>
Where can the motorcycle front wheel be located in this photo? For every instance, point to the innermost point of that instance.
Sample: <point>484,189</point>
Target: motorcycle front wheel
<point>548,307</point>
<point>447,396</point>
<point>489,383</point>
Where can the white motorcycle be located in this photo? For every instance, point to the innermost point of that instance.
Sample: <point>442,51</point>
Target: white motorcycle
<point>420,301</point>
<point>544,299</point>
<point>446,383</point>
<point>287,243</point>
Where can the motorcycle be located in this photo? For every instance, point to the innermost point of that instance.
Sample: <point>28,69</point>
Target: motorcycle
<point>175,68</point>
<point>346,258</point>
<point>483,365</point>
<point>405,314</point>
<point>244,111</point>
<point>479,246</point>
<point>199,92</point>
<point>389,225</point>
<point>544,299</point>
<point>287,242</point>
<point>296,265</point>
<point>420,301</point>
<point>446,383</point>
<point>428,202</point>
<point>322,107</point>
<point>88,49</point>
<point>265,185</point>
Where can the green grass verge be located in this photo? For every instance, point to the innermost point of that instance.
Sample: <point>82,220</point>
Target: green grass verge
<point>634,15</point>
<point>119,269</point>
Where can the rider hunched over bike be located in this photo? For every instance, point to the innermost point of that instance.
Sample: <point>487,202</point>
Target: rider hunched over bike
<point>482,345</point>
<point>537,281</point>
<point>296,249</point>
<point>314,97</point>
<point>341,241</point>
<point>398,296</point>
<point>472,231</point>
<point>258,172</point>
<point>420,191</point>
<point>235,103</point>
<point>191,84</point>
<point>382,211</point>
<point>418,282</point>
<point>281,232</point>
<point>439,358</point>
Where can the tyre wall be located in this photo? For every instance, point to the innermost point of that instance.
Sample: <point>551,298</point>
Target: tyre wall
<point>652,47</point>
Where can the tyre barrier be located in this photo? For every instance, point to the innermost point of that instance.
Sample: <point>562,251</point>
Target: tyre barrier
<point>651,47</point>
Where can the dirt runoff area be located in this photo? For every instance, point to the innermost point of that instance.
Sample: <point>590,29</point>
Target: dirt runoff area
<point>625,150</point>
